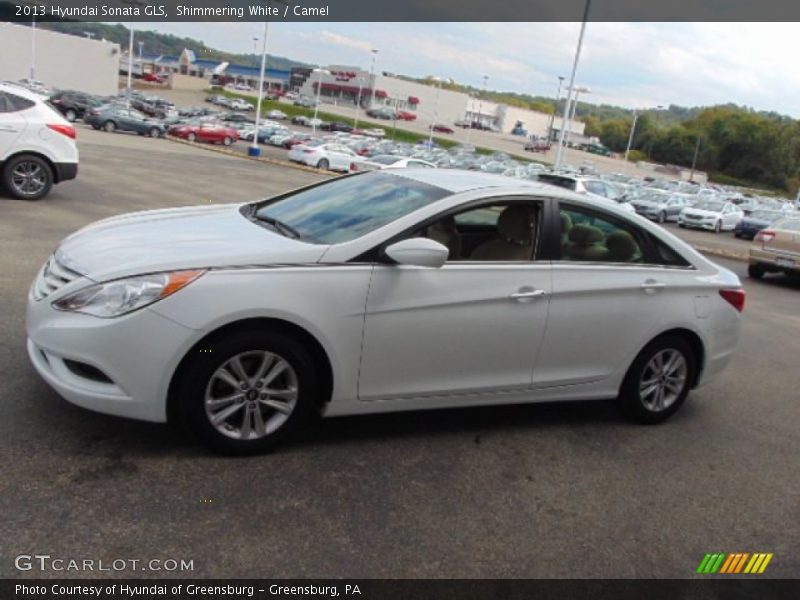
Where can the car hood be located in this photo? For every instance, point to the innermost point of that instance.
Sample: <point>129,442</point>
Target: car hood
<point>179,238</point>
<point>702,213</point>
<point>648,203</point>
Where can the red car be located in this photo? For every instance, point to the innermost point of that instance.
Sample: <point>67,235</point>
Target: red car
<point>207,132</point>
<point>300,138</point>
<point>439,128</point>
<point>406,116</point>
<point>154,78</point>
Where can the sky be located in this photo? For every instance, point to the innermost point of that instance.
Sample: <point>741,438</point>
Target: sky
<point>634,65</point>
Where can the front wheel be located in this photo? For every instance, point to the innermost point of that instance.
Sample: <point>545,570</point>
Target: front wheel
<point>71,115</point>
<point>658,381</point>
<point>717,226</point>
<point>191,137</point>
<point>227,141</point>
<point>662,217</point>
<point>323,164</point>
<point>247,392</point>
<point>155,132</point>
<point>110,126</point>
<point>755,271</point>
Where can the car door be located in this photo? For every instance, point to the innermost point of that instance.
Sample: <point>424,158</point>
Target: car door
<point>674,206</point>
<point>12,122</point>
<point>607,298</point>
<point>473,326</point>
<point>339,157</point>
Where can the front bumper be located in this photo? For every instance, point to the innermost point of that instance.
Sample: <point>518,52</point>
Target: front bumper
<point>137,353</point>
<point>697,224</point>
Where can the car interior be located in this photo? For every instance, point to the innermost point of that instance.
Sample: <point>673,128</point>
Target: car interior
<point>586,237</point>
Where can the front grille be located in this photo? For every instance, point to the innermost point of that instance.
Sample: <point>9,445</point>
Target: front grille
<point>52,276</point>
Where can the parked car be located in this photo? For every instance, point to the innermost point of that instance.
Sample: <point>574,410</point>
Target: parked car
<point>405,115</point>
<point>114,118</point>
<point>389,161</point>
<point>153,109</point>
<point>441,128</point>
<point>776,249</point>
<point>248,319</point>
<point>73,105</point>
<point>277,114</point>
<point>751,224</point>
<point>336,126</point>
<point>154,78</point>
<point>715,215</point>
<point>537,145</point>
<point>235,117</point>
<point>590,186</point>
<point>336,157</point>
<point>239,104</point>
<point>381,112</point>
<point>660,205</point>
<point>37,145</point>
<point>211,133</point>
<point>295,139</point>
<point>305,101</point>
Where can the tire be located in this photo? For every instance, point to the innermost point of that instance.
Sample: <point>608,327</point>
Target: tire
<point>755,271</point>
<point>662,217</point>
<point>70,115</point>
<point>323,164</point>
<point>645,408</point>
<point>203,381</point>
<point>109,126</point>
<point>681,225</point>
<point>191,137</point>
<point>227,141</point>
<point>27,177</point>
<point>155,132</point>
<point>717,226</point>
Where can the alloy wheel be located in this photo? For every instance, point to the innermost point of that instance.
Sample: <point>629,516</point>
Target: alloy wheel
<point>28,178</point>
<point>663,380</point>
<point>251,395</point>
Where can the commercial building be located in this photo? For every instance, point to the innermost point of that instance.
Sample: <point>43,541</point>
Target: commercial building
<point>59,60</point>
<point>344,84</point>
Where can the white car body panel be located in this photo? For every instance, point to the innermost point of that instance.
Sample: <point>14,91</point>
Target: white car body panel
<point>396,337</point>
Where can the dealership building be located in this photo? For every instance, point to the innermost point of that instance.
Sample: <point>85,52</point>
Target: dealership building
<point>61,61</point>
<point>344,84</point>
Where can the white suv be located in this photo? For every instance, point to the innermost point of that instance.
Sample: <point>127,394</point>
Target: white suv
<point>37,145</point>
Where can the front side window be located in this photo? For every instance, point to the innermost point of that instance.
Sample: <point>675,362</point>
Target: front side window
<point>349,207</point>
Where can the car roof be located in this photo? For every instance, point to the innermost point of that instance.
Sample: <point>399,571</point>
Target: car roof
<point>457,181</point>
<point>18,90</point>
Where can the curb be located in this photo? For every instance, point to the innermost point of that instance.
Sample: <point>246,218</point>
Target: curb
<point>261,159</point>
<point>721,253</point>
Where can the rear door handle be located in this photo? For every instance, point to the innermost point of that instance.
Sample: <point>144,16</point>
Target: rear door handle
<point>527,294</point>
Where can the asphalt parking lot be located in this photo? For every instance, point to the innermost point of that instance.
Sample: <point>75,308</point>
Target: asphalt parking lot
<point>568,490</point>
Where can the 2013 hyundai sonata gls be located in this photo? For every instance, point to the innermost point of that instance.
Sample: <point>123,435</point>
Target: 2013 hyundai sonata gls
<point>383,291</point>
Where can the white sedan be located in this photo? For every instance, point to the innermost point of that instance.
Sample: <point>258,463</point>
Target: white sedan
<point>277,114</point>
<point>322,155</point>
<point>716,215</point>
<point>383,291</point>
<point>389,161</point>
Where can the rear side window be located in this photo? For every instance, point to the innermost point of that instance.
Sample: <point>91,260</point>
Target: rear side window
<point>11,103</point>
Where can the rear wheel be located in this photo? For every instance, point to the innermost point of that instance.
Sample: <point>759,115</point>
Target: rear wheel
<point>155,132</point>
<point>70,115</point>
<point>227,141</point>
<point>717,226</point>
<point>323,164</point>
<point>681,225</point>
<point>27,177</point>
<point>109,126</point>
<point>191,137</point>
<point>659,380</point>
<point>755,271</point>
<point>247,392</point>
<point>662,217</point>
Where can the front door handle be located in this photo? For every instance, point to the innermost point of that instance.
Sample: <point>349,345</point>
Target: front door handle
<point>651,285</point>
<point>527,294</point>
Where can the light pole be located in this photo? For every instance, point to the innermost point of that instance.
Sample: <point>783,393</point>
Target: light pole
<point>435,108</point>
<point>694,159</point>
<point>320,71</point>
<point>255,49</point>
<point>358,100</point>
<point>372,76</point>
<point>480,102</point>
<point>254,150</point>
<point>130,61</point>
<point>33,48</point>
<point>578,91</point>
<point>630,137</point>
<point>555,110</point>
<point>471,106</point>
<point>141,45</point>
<point>572,84</point>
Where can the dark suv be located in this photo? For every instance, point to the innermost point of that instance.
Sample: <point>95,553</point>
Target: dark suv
<point>73,105</point>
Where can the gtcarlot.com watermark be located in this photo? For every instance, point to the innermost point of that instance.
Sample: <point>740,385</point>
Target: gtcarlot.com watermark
<point>45,562</point>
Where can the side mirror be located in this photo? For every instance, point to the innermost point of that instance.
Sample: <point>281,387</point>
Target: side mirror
<point>419,252</point>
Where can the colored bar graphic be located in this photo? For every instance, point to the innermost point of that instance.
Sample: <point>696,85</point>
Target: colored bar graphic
<point>752,563</point>
<point>734,563</point>
<point>740,565</point>
<point>703,563</point>
<point>764,564</point>
<point>718,562</point>
<point>727,563</point>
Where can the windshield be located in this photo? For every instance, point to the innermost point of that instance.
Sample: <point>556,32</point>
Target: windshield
<point>653,196</point>
<point>709,205</point>
<point>384,159</point>
<point>349,207</point>
<point>765,215</point>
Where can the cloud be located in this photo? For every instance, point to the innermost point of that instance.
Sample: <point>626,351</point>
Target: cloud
<point>336,39</point>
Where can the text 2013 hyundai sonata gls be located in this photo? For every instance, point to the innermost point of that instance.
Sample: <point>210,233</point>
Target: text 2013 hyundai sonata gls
<point>382,291</point>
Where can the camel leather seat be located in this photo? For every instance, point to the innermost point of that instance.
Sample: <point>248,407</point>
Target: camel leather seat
<point>446,233</point>
<point>515,226</point>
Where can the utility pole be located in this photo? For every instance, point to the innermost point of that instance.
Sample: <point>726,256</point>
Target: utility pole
<point>694,160</point>
<point>630,137</point>
<point>555,110</point>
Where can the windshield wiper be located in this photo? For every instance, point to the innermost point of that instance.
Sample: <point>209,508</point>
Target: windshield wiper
<point>281,227</point>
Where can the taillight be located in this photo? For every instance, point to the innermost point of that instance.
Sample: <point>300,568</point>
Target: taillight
<point>765,236</point>
<point>67,130</point>
<point>734,297</point>
<point>353,167</point>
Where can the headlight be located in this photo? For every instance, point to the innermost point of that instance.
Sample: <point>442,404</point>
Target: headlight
<point>116,298</point>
